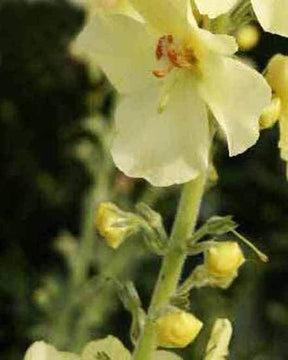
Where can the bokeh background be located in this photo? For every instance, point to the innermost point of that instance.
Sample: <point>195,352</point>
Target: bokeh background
<point>55,130</point>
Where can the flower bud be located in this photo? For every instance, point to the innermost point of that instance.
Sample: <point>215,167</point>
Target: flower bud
<point>247,37</point>
<point>177,329</point>
<point>218,345</point>
<point>114,224</point>
<point>270,114</point>
<point>277,75</point>
<point>224,259</point>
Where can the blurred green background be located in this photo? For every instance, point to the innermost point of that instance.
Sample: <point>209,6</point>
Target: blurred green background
<point>55,127</point>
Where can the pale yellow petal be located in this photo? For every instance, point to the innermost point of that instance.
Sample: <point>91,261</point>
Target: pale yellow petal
<point>219,43</point>
<point>107,7</point>
<point>41,351</point>
<point>272,15</point>
<point>237,95</point>
<point>162,137</point>
<point>214,8</point>
<point>167,16</point>
<point>110,346</point>
<point>123,48</point>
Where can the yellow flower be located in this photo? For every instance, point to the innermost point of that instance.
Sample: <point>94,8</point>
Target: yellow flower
<point>177,329</point>
<point>170,72</point>
<point>113,224</point>
<point>224,259</point>
<point>81,47</point>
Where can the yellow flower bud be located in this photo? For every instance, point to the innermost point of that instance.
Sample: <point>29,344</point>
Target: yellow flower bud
<point>270,114</point>
<point>247,37</point>
<point>224,259</point>
<point>112,224</point>
<point>277,76</point>
<point>177,329</point>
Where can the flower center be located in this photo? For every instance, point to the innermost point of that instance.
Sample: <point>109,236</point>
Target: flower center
<point>173,54</point>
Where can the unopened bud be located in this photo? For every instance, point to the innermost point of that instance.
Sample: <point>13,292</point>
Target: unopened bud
<point>218,345</point>
<point>177,329</point>
<point>114,224</point>
<point>270,114</point>
<point>247,37</point>
<point>224,259</point>
<point>277,76</point>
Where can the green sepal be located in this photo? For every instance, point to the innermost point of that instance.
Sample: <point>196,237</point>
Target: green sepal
<point>215,226</point>
<point>154,232</point>
<point>131,301</point>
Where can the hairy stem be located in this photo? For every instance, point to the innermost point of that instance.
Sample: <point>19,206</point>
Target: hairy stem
<point>172,264</point>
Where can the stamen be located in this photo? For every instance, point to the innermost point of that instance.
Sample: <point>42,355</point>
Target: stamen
<point>175,55</point>
<point>160,47</point>
<point>162,72</point>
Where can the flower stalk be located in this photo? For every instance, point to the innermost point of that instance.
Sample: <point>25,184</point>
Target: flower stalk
<point>173,262</point>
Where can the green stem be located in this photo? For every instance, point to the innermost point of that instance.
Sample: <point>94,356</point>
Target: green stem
<point>172,265</point>
<point>97,193</point>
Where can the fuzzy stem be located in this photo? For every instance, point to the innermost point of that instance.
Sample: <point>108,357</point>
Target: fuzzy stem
<point>172,264</point>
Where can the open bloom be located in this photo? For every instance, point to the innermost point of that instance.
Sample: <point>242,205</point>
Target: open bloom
<point>170,72</point>
<point>272,14</point>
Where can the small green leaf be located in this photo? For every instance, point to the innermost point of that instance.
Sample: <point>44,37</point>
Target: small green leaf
<point>215,226</point>
<point>220,225</point>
